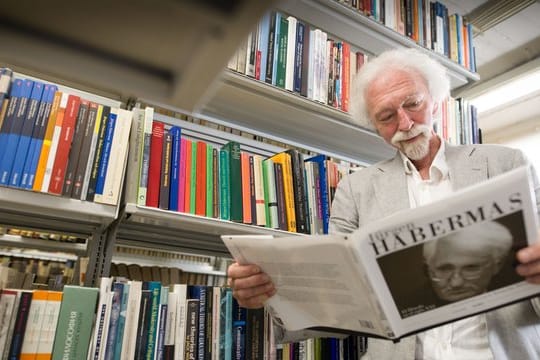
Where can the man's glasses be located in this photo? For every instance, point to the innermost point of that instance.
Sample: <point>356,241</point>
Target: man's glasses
<point>411,104</point>
<point>469,272</point>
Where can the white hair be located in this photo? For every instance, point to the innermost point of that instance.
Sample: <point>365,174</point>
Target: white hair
<point>413,60</point>
<point>495,238</point>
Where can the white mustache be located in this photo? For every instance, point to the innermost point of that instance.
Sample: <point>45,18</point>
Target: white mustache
<point>416,130</point>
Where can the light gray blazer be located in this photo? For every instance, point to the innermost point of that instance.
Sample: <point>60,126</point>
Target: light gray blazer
<point>381,189</point>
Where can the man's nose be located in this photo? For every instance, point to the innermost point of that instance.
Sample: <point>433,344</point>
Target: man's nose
<point>405,123</point>
<point>456,279</point>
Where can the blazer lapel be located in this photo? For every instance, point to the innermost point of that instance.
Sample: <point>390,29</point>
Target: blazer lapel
<point>465,166</point>
<point>390,186</point>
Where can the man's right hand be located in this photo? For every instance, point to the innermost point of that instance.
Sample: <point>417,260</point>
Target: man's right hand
<point>251,287</point>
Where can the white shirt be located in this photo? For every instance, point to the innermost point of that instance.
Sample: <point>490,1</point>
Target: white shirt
<point>463,339</point>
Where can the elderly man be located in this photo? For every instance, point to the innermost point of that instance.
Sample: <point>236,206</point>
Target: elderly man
<point>400,92</point>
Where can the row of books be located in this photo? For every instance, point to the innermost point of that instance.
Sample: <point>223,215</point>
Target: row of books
<point>426,22</point>
<point>459,122</point>
<point>56,142</point>
<point>179,173</point>
<point>291,54</point>
<point>146,320</point>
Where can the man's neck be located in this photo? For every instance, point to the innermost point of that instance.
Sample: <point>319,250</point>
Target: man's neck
<point>424,164</point>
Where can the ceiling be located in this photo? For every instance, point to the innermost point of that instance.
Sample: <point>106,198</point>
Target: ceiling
<point>504,50</point>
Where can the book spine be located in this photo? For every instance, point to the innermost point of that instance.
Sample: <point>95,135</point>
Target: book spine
<point>235,181</point>
<point>48,329</point>
<point>299,191</point>
<point>165,185</point>
<point>215,183</point>
<point>181,321</point>
<point>246,188</point>
<point>280,196</point>
<point>162,323</point>
<point>224,185</point>
<point>193,178</point>
<point>154,166</point>
<point>269,70</point>
<point>209,181</point>
<point>128,344</point>
<point>192,326</point>
<point>121,326</point>
<point>96,162</point>
<point>182,176</point>
<point>252,199</point>
<point>20,325</point>
<point>200,182</point>
<point>187,176</point>
<point>238,332</point>
<point>101,328</point>
<point>116,306</point>
<point>145,155</point>
<point>281,66</point>
<point>64,144</point>
<point>271,201</point>
<point>85,153</point>
<point>175,132</point>
<point>33,326</point>
<point>143,325</point>
<point>155,290</point>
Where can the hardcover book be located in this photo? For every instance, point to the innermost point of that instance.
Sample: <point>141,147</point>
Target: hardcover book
<point>472,235</point>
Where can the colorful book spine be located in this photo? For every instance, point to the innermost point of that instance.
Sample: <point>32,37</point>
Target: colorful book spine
<point>187,176</point>
<point>14,99</point>
<point>106,154</point>
<point>48,329</point>
<point>162,323</point>
<point>260,198</point>
<point>270,195</point>
<point>34,323</point>
<point>165,184</point>
<point>154,166</point>
<point>323,186</point>
<point>224,185</point>
<point>155,296</point>
<point>182,176</point>
<point>200,182</point>
<point>235,180</point>
<point>121,326</point>
<point>75,323</point>
<point>285,160</point>
<point>176,133</point>
<point>245,183</point>
<point>21,320</point>
<point>38,136</point>
<point>209,181</point>
<point>96,162</point>
<point>193,178</point>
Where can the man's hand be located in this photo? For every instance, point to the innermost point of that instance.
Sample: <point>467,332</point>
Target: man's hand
<point>529,258</point>
<point>251,287</point>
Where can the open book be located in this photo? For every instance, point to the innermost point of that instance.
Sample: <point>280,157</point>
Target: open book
<point>406,273</point>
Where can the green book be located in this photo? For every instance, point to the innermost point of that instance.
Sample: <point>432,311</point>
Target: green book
<point>75,323</point>
<point>235,180</point>
<point>270,195</point>
<point>282,52</point>
<point>224,186</point>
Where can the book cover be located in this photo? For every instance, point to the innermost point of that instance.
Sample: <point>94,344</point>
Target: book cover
<point>38,134</point>
<point>85,152</point>
<point>75,150</point>
<point>181,320</point>
<point>284,159</point>
<point>75,322</point>
<point>176,133</point>
<point>65,139</point>
<point>154,166</point>
<point>193,177</point>
<point>200,292</point>
<point>299,191</point>
<point>280,196</point>
<point>234,180</point>
<point>162,323</point>
<point>154,287</point>
<point>36,317</point>
<point>21,320</point>
<point>103,316</point>
<point>323,187</point>
<point>201,175</point>
<point>224,185</point>
<point>12,126</point>
<point>281,66</point>
<point>145,155</point>
<point>30,122</point>
<point>182,176</point>
<point>187,171</point>
<point>96,162</point>
<point>114,317</point>
<point>121,322</point>
<point>270,194</point>
<point>246,187</point>
<point>143,325</point>
<point>47,334</point>
<point>128,344</point>
<point>209,181</point>
<point>8,303</point>
<point>165,182</point>
<point>192,326</point>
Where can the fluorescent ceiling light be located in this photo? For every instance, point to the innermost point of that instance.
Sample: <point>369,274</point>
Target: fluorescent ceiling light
<point>509,91</point>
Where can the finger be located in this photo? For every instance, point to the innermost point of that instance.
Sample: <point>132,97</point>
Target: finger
<point>254,297</point>
<point>252,281</point>
<point>236,270</point>
<point>529,269</point>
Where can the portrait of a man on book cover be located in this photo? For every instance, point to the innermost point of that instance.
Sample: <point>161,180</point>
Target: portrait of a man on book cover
<point>458,266</point>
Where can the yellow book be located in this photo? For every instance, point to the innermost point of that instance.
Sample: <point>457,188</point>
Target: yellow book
<point>285,160</point>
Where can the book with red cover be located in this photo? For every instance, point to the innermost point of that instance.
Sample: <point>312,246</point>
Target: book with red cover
<point>154,167</point>
<point>64,145</point>
<point>182,175</point>
<point>246,192</point>
<point>187,183</point>
<point>200,186</point>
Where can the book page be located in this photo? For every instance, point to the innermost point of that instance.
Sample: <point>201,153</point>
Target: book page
<point>452,258</point>
<point>318,281</point>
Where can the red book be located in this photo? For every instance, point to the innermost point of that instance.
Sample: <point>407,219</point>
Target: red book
<point>246,189</point>
<point>154,166</point>
<point>182,180</point>
<point>200,186</point>
<point>64,144</point>
<point>187,188</point>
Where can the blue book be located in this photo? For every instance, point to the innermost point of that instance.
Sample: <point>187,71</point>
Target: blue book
<point>320,160</point>
<point>224,185</point>
<point>299,56</point>
<point>225,324</point>
<point>199,292</point>
<point>238,332</point>
<point>14,95</point>
<point>14,132</point>
<point>175,132</point>
<point>121,322</point>
<point>25,137</point>
<point>117,290</point>
<point>36,143</point>
<point>264,30</point>
<point>155,290</point>
<point>105,153</point>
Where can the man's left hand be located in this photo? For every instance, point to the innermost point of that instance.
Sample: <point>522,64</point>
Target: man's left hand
<point>529,259</point>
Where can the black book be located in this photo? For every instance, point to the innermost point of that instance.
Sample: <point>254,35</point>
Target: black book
<point>299,191</point>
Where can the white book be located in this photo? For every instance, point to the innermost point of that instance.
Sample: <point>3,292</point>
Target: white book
<point>132,320</point>
<point>117,159</point>
<point>8,303</point>
<point>54,144</point>
<point>11,324</point>
<point>48,329</point>
<point>323,68</point>
<point>136,143</point>
<point>170,330</point>
<point>260,207</point>
<point>291,47</point>
<point>180,328</point>
<point>311,64</point>
<point>216,308</point>
<point>36,314</point>
<point>144,155</point>
<point>101,328</point>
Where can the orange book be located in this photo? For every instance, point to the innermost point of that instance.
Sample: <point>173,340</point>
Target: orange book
<point>246,188</point>
<point>285,160</point>
<point>46,147</point>
<point>200,186</point>
<point>64,145</point>
<point>345,76</point>
<point>187,189</point>
<point>465,38</point>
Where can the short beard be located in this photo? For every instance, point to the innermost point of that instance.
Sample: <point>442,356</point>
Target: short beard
<point>419,148</point>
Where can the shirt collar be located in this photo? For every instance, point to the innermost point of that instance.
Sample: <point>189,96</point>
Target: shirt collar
<point>438,170</point>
